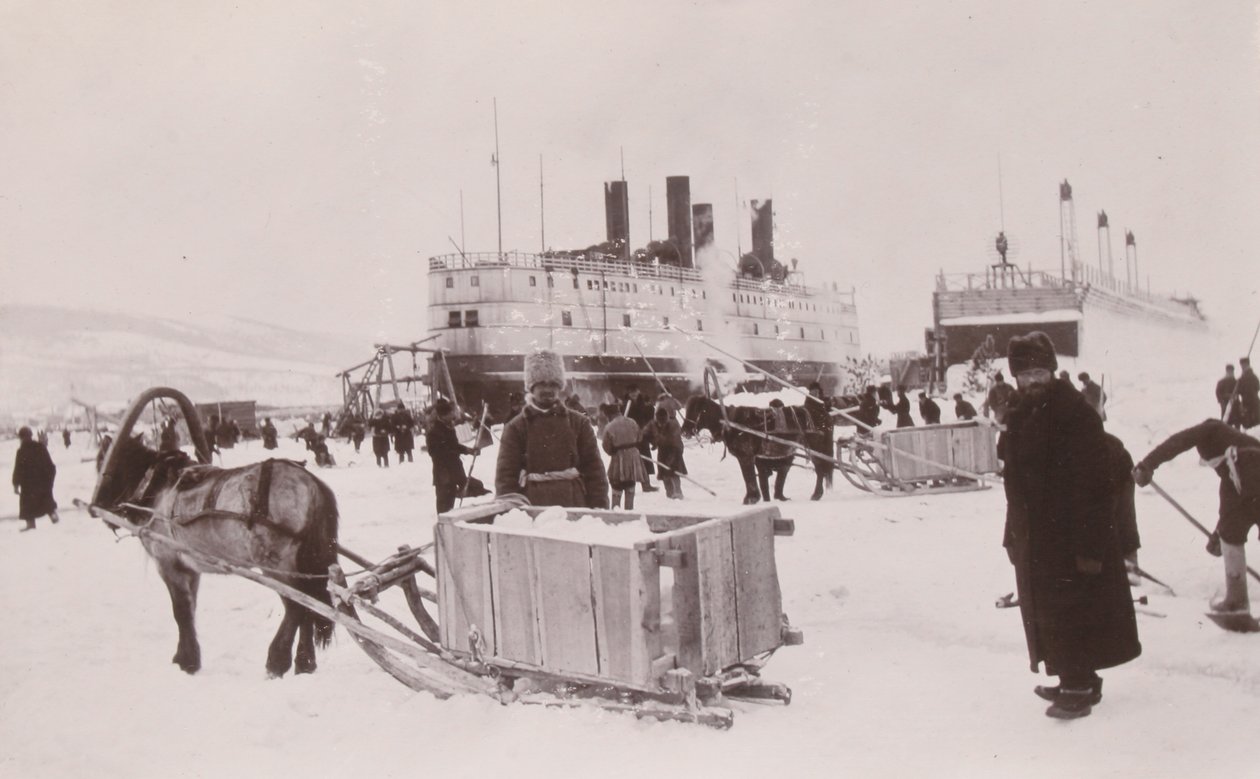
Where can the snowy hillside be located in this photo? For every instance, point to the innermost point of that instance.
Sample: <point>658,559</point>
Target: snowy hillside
<point>907,669</point>
<point>47,353</point>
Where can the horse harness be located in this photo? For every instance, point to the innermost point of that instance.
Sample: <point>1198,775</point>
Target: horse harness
<point>192,475</point>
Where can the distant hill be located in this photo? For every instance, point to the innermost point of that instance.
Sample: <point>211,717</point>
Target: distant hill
<point>46,353</point>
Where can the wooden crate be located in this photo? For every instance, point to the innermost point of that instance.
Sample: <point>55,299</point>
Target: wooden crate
<point>593,612</point>
<point>971,446</point>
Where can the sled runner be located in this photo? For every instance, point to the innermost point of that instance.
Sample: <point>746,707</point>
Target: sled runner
<point>1235,621</point>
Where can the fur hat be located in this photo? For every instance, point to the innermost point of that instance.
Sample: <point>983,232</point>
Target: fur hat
<point>543,365</point>
<point>441,407</point>
<point>1034,350</point>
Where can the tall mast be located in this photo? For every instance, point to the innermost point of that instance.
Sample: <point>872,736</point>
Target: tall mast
<point>498,192</point>
<point>542,209</point>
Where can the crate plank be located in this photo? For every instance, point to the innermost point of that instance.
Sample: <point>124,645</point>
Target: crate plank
<point>757,595</point>
<point>618,632</point>
<point>464,579</point>
<point>566,618</point>
<point>515,616</point>
<point>648,591</point>
<point>715,560</point>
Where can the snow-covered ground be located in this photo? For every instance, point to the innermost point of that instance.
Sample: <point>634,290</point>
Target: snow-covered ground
<point>907,668</point>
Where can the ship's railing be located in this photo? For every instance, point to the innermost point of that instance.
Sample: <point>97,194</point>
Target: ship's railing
<point>641,270</point>
<point>1012,277</point>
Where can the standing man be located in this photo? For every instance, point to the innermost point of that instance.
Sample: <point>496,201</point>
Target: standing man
<point>621,442</point>
<point>1235,456</point>
<point>999,399</point>
<point>640,410</point>
<point>1094,395</point>
<point>445,450</point>
<point>962,409</point>
<point>33,477</point>
<point>821,438</point>
<point>1060,534</point>
<point>404,433</point>
<point>929,411</point>
<point>1247,396</point>
<point>548,455</point>
<point>901,408</point>
<point>1224,391</point>
<point>270,436</point>
<point>381,429</point>
<point>665,434</point>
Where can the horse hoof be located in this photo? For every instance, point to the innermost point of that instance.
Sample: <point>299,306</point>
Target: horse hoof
<point>304,668</point>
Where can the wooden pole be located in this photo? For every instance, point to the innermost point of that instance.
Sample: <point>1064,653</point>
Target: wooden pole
<point>1193,521</point>
<point>476,451</point>
<point>681,475</point>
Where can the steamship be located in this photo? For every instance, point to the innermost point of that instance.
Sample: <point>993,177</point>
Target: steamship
<point>1089,313</point>
<point>646,318</point>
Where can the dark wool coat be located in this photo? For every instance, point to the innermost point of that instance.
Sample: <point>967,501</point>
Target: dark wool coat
<point>930,411</point>
<point>964,410</point>
<point>902,409</point>
<point>1059,506</point>
<point>444,449</point>
<point>999,400</point>
<point>381,429</point>
<point>34,473</point>
<point>821,435</point>
<point>538,441</point>
<point>667,438</point>
<point>1248,389</point>
<point>404,435</point>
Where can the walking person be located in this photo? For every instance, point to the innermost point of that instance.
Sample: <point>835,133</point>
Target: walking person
<point>929,410</point>
<point>65,437</point>
<point>1224,393</point>
<point>548,455</point>
<point>381,430</point>
<point>963,410</point>
<point>620,441</point>
<point>1247,396</point>
<point>640,410</point>
<point>1235,456</point>
<point>998,401</point>
<point>821,438</point>
<point>901,408</point>
<point>1060,535</point>
<point>665,435</point>
<point>1094,395</point>
<point>270,436</point>
<point>445,450</point>
<point>33,477</point>
<point>404,433</point>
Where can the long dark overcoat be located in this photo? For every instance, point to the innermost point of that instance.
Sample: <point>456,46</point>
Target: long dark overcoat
<point>34,473</point>
<point>1059,507</point>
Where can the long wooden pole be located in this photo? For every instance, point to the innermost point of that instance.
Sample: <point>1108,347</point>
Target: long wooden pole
<point>1193,521</point>
<point>476,451</point>
<point>676,473</point>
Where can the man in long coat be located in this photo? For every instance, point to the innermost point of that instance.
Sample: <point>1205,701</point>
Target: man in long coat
<point>445,450</point>
<point>901,408</point>
<point>999,399</point>
<point>548,454</point>
<point>820,438</point>
<point>1225,393</point>
<point>1248,395</point>
<point>1060,533</point>
<point>1094,394</point>
<point>33,477</point>
<point>639,408</point>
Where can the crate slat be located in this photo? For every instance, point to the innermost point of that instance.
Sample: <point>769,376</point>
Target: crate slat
<point>464,578</point>
<point>512,581</point>
<point>757,593</point>
<point>566,619</point>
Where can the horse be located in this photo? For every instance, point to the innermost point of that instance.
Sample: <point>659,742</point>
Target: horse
<point>273,515</point>
<point>758,457</point>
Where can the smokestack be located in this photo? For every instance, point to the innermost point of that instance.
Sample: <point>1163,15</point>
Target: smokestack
<point>763,231</point>
<point>678,203</point>
<point>617,216</point>
<point>702,225</point>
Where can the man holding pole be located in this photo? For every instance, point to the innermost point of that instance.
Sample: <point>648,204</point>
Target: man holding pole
<point>445,450</point>
<point>1235,457</point>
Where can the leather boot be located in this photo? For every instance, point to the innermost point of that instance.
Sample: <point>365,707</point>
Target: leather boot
<point>30,525</point>
<point>616,499</point>
<point>1235,599</point>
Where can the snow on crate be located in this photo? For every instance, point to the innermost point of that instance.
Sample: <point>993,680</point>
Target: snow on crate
<point>556,523</point>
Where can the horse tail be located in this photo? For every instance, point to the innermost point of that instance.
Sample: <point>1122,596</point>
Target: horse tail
<point>316,552</point>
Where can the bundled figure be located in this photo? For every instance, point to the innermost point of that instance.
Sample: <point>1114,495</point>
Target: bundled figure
<point>665,435</point>
<point>270,436</point>
<point>548,455</point>
<point>1061,534</point>
<point>357,431</point>
<point>33,477</point>
<point>168,436</point>
<point>449,479</point>
<point>1094,395</point>
<point>998,401</point>
<point>1235,456</point>
<point>821,438</point>
<point>1225,393</point>
<point>963,410</point>
<point>929,411</point>
<point>1247,396</point>
<point>381,430</point>
<point>868,410</point>
<point>404,433</point>
<point>640,410</point>
<point>901,408</point>
<point>621,442</point>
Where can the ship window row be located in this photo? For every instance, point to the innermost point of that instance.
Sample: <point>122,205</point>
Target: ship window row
<point>765,300</point>
<point>462,319</point>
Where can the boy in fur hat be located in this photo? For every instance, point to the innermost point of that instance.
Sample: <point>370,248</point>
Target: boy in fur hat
<point>1061,533</point>
<point>548,455</point>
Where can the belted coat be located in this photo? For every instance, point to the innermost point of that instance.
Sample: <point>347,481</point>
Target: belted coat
<point>538,443</point>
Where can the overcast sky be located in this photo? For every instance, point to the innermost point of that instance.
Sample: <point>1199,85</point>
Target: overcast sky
<point>297,162</point>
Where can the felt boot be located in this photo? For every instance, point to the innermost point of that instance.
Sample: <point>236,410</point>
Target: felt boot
<point>1235,580</point>
<point>30,525</point>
